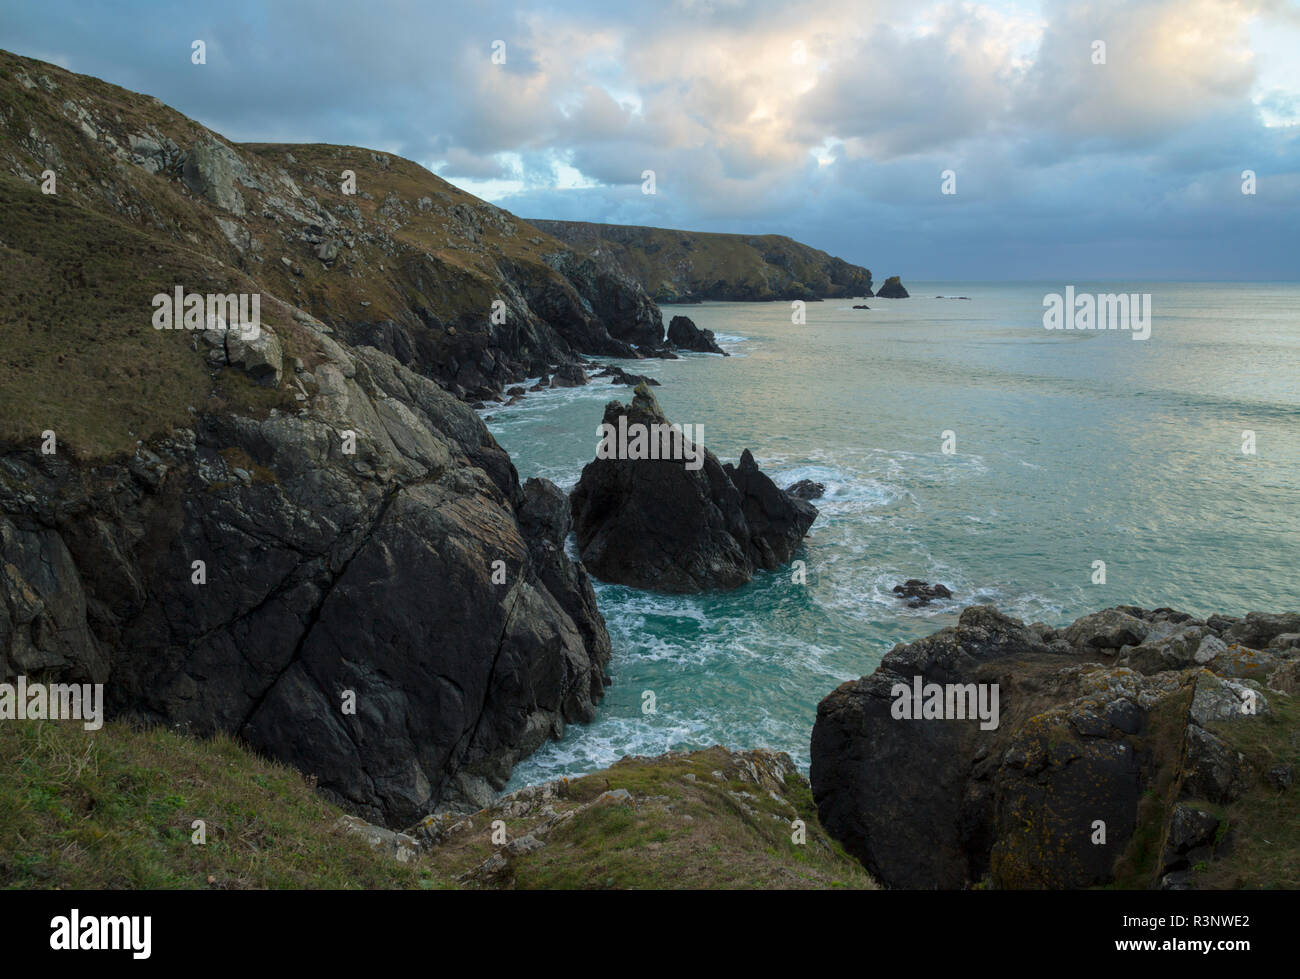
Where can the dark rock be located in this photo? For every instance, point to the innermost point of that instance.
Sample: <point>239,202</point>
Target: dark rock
<point>920,592</point>
<point>684,334</point>
<point>891,288</point>
<point>1214,770</point>
<point>950,802</point>
<point>1280,777</point>
<point>861,307</point>
<point>656,524</point>
<point>806,489</point>
<point>619,376</point>
<point>568,376</point>
<point>327,575</point>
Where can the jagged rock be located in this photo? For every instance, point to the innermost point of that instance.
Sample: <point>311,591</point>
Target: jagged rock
<point>568,376</point>
<point>919,593</point>
<point>892,288</point>
<point>1108,629</point>
<point>685,335</point>
<point>211,169</point>
<point>806,489</point>
<point>1258,629</point>
<point>1190,827</point>
<point>1213,770</point>
<point>1219,699</point>
<point>656,524</point>
<point>620,376</point>
<point>948,802</point>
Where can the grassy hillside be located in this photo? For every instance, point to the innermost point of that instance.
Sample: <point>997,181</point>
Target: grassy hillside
<point>145,199</point>
<point>114,809</point>
<point>677,266</point>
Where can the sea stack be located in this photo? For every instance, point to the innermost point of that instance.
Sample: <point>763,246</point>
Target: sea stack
<point>685,335</point>
<point>892,288</point>
<point>680,521</point>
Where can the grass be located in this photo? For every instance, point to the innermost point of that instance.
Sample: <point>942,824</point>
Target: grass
<point>114,809</point>
<point>81,356</point>
<point>1261,841</point>
<point>678,833</point>
<point>674,264</point>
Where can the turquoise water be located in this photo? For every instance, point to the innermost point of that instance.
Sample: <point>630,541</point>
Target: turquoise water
<point>1070,448</point>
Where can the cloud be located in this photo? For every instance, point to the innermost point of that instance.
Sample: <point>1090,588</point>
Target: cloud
<point>830,121</point>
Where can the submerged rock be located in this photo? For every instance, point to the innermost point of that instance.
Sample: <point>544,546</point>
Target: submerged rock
<point>680,524</point>
<point>619,376</point>
<point>920,592</point>
<point>806,489</point>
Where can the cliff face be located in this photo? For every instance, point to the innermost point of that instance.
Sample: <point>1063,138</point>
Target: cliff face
<point>296,534</point>
<point>686,266</point>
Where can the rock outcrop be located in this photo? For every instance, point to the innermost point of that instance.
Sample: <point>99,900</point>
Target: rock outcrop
<point>918,593</point>
<point>298,535</point>
<point>667,524</point>
<point>1125,750</point>
<point>892,289</point>
<point>690,266</point>
<point>360,587</point>
<point>685,335</point>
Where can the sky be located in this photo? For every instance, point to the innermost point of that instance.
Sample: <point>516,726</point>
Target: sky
<point>840,124</point>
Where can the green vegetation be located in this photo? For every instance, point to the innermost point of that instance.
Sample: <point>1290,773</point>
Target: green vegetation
<point>676,265</point>
<point>80,355</point>
<point>114,809</point>
<point>1259,834</point>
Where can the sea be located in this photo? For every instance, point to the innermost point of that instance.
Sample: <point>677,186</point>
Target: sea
<point>1050,473</point>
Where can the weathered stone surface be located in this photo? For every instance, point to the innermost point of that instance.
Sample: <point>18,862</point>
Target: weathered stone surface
<point>1079,743</point>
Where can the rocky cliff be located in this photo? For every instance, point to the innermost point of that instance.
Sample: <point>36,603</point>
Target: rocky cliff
<point>1136,748</point>
<point>285,526</point>
<point>688,266</point>
<point>379,249</point>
